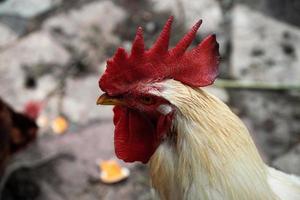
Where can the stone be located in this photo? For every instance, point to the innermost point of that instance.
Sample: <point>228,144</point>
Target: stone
<point>283,10</point>
<point>189,11</point>
<point>17,24</point>
<point>35,55</point>
<point>8,36</point>
<point>79,104</point>
<point>87,31</point>
<point>264,49</point>
<point>28,8</point>
<point>290,161</point>
<point>37,48</point>
<point>271,118</point>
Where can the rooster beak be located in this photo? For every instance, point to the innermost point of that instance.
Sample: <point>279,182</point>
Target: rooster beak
<point>105,99</point>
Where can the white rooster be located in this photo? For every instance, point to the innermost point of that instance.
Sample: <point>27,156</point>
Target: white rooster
<point>197,148</point>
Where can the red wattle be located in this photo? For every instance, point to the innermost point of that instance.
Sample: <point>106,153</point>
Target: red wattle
<point>135,138</point>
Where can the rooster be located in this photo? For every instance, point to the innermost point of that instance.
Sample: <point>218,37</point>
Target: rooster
<point>17,130</point>
<point>196,147</point>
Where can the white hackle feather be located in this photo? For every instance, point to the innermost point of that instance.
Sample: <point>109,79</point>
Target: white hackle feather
<point>209,154</point>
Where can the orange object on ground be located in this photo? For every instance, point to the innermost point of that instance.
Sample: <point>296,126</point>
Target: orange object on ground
<point>112,172</point>
<point>59,125</point>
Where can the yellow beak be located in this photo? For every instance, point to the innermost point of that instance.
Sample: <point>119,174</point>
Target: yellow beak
<point>105,99</point>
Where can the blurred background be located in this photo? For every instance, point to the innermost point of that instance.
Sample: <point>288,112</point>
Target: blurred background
<point>52,53</point>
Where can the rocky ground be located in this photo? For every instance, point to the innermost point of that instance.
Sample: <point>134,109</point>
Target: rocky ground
<point>54,51</point>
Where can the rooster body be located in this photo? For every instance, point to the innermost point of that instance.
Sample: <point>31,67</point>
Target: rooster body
<point>209,154</point>
<point>196,147</point>
<point>17,130</point>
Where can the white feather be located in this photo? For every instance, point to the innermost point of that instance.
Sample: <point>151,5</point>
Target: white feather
<point>212,156</point>
<point>285,186</point>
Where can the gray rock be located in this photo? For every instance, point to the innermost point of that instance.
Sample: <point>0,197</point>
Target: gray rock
<point>189,11</point>
<point>79,103</point>
<point>271,118</point>
<point>284,10</point>
<point>264,49</point>
<point>17,24</point>
<point>35,55</point>
<point>7,36</point>
<point>37,48</point>
<point>87,31</point>
<point>289,162</point>
<point>28,8</point>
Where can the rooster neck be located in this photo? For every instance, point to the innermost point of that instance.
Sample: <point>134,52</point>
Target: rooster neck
<point>213,156</point>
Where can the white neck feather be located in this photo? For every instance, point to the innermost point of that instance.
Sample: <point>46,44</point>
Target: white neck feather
<point>209,154</point>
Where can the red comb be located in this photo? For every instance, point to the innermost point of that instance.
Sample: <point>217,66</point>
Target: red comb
<point>196,67</point>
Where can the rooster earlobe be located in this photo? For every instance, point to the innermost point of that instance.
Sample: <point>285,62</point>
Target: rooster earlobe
<point>161,44</point>
<point>184,43</point>
<point>138,47</point>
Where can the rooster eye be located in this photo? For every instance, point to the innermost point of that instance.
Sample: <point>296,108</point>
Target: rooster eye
<point>147,100</point>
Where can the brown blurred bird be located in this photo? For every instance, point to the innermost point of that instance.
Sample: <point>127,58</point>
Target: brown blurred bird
<point>17,130</point>
<point>196,146</point>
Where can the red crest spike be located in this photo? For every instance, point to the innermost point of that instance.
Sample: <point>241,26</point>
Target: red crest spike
<point>109,62</point>
<point>204,63</point>
<point>184,43</point>
<point>120,56</point>
<point>161,45</point>
<point>138,44</point>
<point>196,68</point>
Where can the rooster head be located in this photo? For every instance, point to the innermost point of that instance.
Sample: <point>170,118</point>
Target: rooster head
<point>142,117</point>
